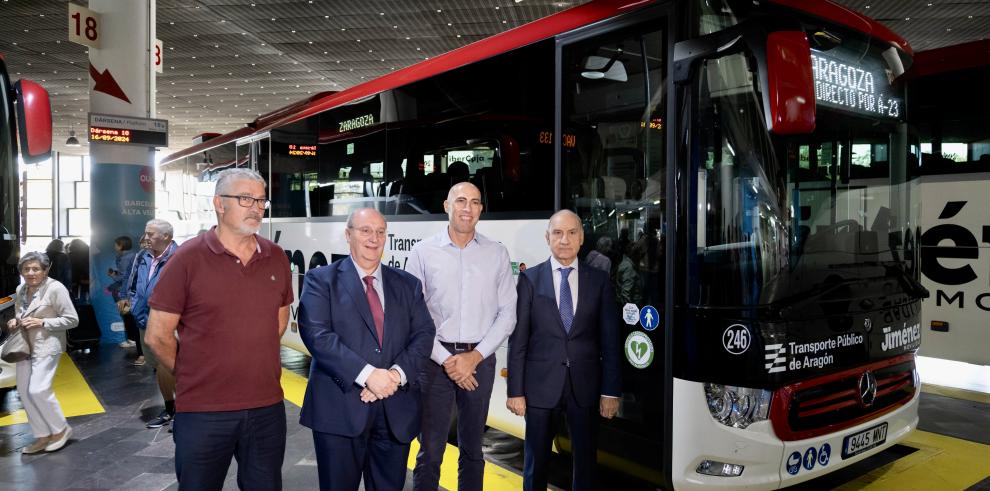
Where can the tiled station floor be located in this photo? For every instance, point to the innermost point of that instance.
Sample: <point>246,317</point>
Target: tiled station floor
<point>108,400</point>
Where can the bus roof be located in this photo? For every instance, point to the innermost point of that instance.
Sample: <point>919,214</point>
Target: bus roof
<point>951,58</point>
<point>854,20</point>
<point>518,37</point>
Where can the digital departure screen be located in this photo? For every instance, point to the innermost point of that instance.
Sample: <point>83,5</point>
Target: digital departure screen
<point>118,135</point>
<point>855,83</point>
<point>546,138</point>
<point>302,150</point>
<point>127,130</point>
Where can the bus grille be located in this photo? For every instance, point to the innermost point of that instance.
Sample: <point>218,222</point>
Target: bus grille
<point>844,399</point>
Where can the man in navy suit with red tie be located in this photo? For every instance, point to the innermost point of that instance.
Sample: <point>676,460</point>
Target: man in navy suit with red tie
<point>564,354</point>
<point>369,330</point>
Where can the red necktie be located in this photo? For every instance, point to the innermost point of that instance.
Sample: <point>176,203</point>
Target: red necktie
<point>375,303</point>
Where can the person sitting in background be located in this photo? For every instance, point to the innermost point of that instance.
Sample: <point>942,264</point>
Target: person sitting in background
<point>61,270</point>
<point>44,309</point>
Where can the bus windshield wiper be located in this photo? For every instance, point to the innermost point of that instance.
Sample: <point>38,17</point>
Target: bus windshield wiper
<point>911,286</point>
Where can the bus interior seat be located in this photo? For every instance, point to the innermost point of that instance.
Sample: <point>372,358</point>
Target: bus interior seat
<point>486,180</point>
<point>415,188</point>
<point>612,188</point>
<point>652,190</point>
<point>319,200</point>
<point>458,171</point>
<point>635,187</point>
<point>437,185</point>
<point>366,180</point>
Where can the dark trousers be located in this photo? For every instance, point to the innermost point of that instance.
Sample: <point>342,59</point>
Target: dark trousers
<point>541,426</point>
<point>440,393</point>
<point>374,454</point>
<point>204,443</point>
<point>131,329</point>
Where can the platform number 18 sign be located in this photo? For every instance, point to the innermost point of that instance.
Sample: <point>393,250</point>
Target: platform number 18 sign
<point>156,56</point>
<point>84,26</point>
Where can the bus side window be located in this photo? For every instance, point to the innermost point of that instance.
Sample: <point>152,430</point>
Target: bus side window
<point>294,170</point>
<point>352,173</point>
<point>489,123</point>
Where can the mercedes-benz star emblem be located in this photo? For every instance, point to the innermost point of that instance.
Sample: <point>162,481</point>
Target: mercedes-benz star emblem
<point>867,388</point>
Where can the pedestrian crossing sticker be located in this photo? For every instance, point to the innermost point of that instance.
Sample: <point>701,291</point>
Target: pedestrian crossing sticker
<point>649,318</point>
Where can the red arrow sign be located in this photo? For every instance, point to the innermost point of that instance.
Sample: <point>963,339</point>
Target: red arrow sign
<point>106,84</point>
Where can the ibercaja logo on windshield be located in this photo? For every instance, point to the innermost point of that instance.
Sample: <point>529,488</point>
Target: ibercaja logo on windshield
<point>964,246</point>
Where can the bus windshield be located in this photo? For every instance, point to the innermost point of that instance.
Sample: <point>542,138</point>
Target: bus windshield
<point>823,216</point>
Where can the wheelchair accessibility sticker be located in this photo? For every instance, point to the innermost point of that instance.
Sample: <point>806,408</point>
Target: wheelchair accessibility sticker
<point>811,457</point>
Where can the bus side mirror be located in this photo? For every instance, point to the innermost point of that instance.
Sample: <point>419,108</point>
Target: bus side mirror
<point>34,121</point>
<point>791,85</point>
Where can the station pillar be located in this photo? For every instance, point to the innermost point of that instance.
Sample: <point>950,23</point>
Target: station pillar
<point>122,189</point>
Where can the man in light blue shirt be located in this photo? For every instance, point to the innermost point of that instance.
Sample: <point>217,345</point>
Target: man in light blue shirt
<point>469,289</point>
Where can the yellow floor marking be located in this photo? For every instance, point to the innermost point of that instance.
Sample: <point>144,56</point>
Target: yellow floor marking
<point>294,387</point>
<point>496,478</point>
<point>73,393</point>
<point>968,395</point>
<point>941,462</point>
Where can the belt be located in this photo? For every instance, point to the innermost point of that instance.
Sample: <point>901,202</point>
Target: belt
<point>458,347</point>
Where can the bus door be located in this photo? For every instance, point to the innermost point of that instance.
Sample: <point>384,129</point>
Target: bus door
<point>612,99</point>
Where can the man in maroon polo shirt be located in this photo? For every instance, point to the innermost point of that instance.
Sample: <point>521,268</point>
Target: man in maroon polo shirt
<point>227,292</point>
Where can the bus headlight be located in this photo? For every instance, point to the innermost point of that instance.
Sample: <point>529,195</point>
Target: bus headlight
<point>738,407</point>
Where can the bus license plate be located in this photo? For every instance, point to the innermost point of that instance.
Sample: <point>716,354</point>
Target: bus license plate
<point>860,442</point>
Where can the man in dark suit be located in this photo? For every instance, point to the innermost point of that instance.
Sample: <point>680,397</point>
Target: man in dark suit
<point>369,330</point>
<point>564,354</point>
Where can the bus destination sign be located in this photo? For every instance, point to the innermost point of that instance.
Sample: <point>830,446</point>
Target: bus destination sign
<point>858,86</point>
<point>302,150</point>
<point>127,130</point>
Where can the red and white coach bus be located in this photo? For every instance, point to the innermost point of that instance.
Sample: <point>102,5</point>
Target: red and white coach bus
<point>747,164</point>
<point>25,111</point>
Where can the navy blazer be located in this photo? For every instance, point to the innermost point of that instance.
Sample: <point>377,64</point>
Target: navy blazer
<point>336,326</point>
<point>541,352</point>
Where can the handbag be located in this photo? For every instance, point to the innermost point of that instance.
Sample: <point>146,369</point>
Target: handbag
<point>17,347</point>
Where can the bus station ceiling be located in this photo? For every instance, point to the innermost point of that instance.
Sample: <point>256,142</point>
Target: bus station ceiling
<point>228,61</point>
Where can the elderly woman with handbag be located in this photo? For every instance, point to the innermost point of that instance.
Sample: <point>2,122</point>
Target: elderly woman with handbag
<point>43,313</point>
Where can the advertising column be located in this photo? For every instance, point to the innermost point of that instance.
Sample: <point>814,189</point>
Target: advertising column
<point>122,179</point>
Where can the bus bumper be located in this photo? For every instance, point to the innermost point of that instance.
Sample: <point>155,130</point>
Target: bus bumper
<point>769,463</point>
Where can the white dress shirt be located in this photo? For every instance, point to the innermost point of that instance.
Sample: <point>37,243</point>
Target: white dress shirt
<point>572,280</point>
